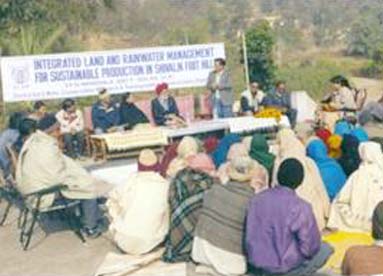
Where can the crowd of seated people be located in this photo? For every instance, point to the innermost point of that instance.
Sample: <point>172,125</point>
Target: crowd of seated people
<point>283,196</point>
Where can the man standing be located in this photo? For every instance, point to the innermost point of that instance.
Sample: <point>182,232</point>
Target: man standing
<point>219,84</point>
<point>280,98</point>
<point>251,99</point>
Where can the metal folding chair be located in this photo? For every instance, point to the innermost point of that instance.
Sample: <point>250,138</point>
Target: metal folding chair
<point>10,195</point>
<point>68,210</point>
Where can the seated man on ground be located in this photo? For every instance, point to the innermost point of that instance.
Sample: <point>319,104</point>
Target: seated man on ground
<point>139,209</point>
<point>164,108</point>
<point>280,98</point>
<point>8,138</point>
<point>71,128</point>
<point>371,118</point>
<point>283,238</point>
<point>105,114</point>
<point>42,165</point>
<point>251,99</point>
<point>186,194</point>
<point>130,114</point>
<point>372,112</point>
<point>39,111</point>
<point>218,242</point>
<point>367,260</point>
<point>352,209</point>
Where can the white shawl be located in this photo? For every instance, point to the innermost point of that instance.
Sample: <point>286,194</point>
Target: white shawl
<point>353,208</point>
<point>312,188</point>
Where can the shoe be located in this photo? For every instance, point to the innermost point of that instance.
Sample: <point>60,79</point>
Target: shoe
<point>93,233</point>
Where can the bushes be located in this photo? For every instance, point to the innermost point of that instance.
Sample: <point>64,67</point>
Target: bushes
<point>311,76</point>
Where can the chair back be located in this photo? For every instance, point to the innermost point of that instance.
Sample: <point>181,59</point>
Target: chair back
<point>360,98</point>
<point>185,106</point>
<point>205,106</point>
<point>145,106</point>
<point>87,113</point>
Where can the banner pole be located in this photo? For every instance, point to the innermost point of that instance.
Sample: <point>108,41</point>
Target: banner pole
<point>3,107</point>
<point>246,64</point>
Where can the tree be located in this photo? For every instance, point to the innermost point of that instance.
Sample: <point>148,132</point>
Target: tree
<point>260,42</point>
<point>36,27</point>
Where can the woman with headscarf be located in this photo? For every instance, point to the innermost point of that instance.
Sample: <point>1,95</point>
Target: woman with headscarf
<point>350,158</point>
<point>334,143</point>
<point>130,114</point>
<point>218,241</point>
<point>210,144</point>
<point>367,260</point>
<point>139,209</point>
<point>331,172</point>
<point>360,134</point>
<point>342,98</point>
<point>260,152</point>
<point>167,158</point>
<point>342,127</point>
<point>323,134</point>
<point>312,188</point>
<point>353,208</point>
<point>186,196</point>
<point>260,180</point>
<point>187,147</point>
<point>220,154</point>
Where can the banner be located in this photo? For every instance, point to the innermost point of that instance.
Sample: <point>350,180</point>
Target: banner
<point>83,74</point>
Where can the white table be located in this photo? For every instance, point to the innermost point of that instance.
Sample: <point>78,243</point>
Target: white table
<point>198,127</point>
<point>250,124</point>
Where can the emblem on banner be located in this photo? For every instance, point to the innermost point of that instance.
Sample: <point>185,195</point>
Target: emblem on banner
<point>20,75</point>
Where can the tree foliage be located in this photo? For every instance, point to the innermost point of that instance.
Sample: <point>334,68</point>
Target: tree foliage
<point>259,43</point>
<point>43,26</point>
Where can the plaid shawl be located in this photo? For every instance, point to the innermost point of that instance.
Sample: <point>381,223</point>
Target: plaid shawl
<point>185,200</point>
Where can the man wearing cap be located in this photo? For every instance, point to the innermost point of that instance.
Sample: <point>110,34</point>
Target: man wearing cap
<point>282,235</point>
<point>139,209</point>
<point>105,114</point>
<point>41,165</point>
<point>164,107</point>
<point>219,84</point>
<point>251,99</point>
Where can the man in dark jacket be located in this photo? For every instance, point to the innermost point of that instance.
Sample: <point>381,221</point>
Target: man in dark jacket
<point>164,107</point>
<point>130,114</point>
<point>105,114</point>
<point>280,98</point>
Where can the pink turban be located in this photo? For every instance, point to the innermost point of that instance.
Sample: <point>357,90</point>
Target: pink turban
<point>161,87</point>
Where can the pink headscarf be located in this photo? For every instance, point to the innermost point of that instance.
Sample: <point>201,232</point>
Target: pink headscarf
<point>201,162</point>
<point>210,144</point>
<point>237,150</point>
